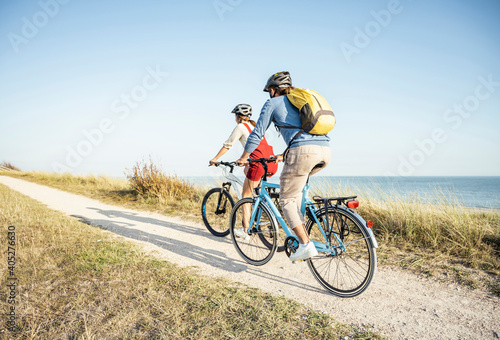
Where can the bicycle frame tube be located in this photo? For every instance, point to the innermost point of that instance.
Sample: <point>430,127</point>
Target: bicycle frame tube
<point>323,247</point>
<point>307,203</point>
<point>305,199</point>
<point>264,196</point>
<point>273,208</point>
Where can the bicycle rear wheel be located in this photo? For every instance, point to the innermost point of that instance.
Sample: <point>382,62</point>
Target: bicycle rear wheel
<point>260,245</point>
<point>344,273</point>
<point>216,211</point>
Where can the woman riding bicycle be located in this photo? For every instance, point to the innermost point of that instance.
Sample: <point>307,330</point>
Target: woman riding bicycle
<point>306,155</point>
<point>254,171</point>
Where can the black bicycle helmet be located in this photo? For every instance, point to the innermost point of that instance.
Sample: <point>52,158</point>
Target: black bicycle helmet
<point>243,110</point>
<point>280,79</point>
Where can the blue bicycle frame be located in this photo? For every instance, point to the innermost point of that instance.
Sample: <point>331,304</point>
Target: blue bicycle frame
<point>346,260</point>
<point>306,204</point>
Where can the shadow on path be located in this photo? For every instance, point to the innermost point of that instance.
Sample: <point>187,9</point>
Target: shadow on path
<point>124,223</point>
<point>133,216</point>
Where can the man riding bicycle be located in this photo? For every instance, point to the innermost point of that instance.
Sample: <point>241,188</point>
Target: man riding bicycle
<point>306,155</point>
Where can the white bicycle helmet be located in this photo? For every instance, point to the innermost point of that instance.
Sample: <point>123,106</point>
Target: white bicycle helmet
<point>243,110</point>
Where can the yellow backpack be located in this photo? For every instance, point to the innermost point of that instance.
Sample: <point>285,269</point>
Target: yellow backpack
<point>316,115</point>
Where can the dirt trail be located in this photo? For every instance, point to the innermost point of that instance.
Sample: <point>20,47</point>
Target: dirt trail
<point>397,304</point>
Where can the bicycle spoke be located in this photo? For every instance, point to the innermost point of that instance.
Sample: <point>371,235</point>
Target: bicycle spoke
<point>216,211</point>
<point>259,245</point>
<point>350,270</point>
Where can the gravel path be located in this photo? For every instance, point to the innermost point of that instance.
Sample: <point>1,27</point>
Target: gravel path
<point>397,304</point>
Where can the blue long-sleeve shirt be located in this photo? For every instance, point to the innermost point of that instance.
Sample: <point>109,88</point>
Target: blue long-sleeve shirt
<point>282,113</point>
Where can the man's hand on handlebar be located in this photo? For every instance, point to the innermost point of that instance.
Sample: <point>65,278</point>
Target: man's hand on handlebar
<point>279,158</point>
<point>213,162</point>
<point>276,159</point>
<point>273,159</point>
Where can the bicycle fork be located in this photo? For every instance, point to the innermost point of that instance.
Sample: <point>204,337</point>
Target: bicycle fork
<point>222,199</point>
<point>254,217</point>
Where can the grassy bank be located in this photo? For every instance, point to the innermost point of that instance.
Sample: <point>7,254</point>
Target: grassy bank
<point>77,281</point>
<point>447,241</point>
<point>444,239</point>
<point>122,192</point>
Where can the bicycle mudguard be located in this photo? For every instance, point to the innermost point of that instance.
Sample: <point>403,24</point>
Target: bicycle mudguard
<point>363,223</point>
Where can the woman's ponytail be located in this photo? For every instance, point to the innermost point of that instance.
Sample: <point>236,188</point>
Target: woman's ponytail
<point>246,119</point>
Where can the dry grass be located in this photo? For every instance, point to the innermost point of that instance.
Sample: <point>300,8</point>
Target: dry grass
<point>434,239</point>
<point>8,166</point>
<point>79,282</point>
<point>123,192</point>
<point>445,235</point>
<point>149,181</point>
<point>472,236</point>
<point>100,187</point>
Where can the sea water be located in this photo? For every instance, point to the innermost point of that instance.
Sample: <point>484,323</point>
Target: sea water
<point>474,192</point>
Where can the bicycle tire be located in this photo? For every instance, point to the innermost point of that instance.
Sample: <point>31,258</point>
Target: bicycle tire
<point>216,212</point>
<point>261,245</point>
<point>348,273</point>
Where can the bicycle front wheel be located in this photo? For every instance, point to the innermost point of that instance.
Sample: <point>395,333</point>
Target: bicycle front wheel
<point>343,271</point>
<point>216,211</point>
<point>259,245</point>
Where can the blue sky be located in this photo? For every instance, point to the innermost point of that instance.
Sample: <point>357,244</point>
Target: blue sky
<point>94,86</point>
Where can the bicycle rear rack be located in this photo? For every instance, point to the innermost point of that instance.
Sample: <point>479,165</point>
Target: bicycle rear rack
<point>342,200</point>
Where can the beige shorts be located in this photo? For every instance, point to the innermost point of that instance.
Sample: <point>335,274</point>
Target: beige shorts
<point>300,163</point>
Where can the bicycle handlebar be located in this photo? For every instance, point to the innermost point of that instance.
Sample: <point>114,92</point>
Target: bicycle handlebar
<point>230,164</point>
<point>262,160</point>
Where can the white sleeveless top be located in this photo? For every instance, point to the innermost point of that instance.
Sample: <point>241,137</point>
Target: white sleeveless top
<point>240,133</point>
